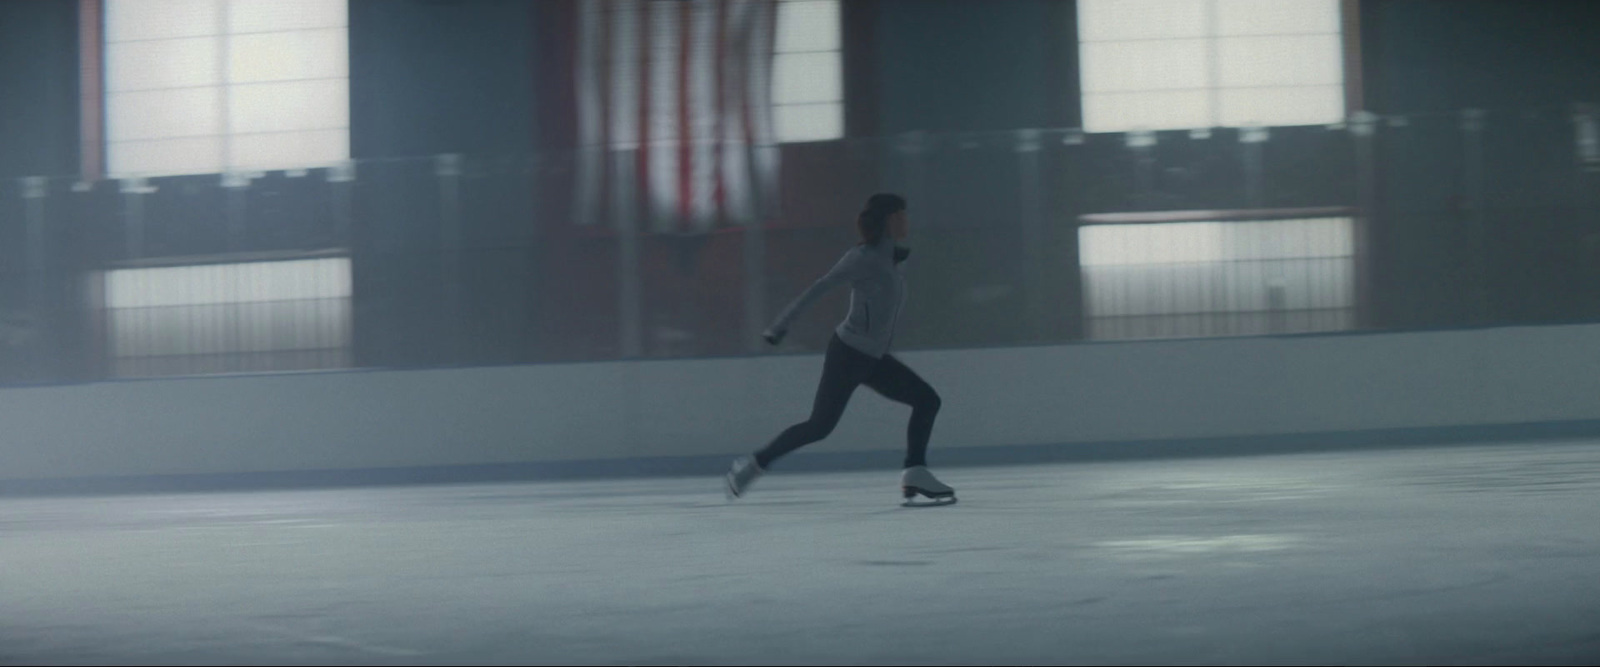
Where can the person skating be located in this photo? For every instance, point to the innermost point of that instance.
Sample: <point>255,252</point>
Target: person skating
<point>858,353</point>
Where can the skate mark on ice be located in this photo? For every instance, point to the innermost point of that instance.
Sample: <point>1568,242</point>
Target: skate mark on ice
<point>959,550</point>
<point>893,563</point>
<point>335,641</point>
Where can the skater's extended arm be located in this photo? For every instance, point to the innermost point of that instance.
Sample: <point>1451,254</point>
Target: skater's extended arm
<point>842,273</point>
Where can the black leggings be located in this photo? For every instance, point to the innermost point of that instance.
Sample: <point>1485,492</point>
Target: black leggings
<point>844,370</point>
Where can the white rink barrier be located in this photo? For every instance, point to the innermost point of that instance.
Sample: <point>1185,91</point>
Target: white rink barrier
<point>1081,393</point>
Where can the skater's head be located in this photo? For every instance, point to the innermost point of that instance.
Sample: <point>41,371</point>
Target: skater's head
<point>884,213</point>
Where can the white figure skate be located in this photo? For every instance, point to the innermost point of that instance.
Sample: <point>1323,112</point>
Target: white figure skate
<point>744,472</point>
<point>916,481</point>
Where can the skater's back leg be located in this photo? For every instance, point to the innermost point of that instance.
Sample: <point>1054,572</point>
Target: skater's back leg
<point>842,372</point>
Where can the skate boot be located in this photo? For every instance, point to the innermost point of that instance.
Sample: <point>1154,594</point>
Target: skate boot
<point>916,480</point>
<point>745,471</point>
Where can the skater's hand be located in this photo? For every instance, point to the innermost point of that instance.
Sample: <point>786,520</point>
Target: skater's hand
<point>773,337</point>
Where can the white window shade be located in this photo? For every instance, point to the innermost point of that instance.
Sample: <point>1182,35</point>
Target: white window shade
<point>1113,112</point>
<point>1176,64</point>
<point>1118,20</point>
<point>1311,105</point>
<point>204,86</point>
<point>808,26</point>
<point>289,105</point>
<point>289,56</point>
<point>1276,17</point>
<point>1181,64</point>
<point>162,64</point>
<point>128,20</point>
<point>193,155</point>
<point>808,80</point>
<point>291,150</point>
<point>809,122</point>
<point>249,16</point>
<point>256,316</point>
<point>164,114</point>
<point>212,284</point>
<point>1289,60</point>
<point>1203,242</point>
<point>1218,278</point>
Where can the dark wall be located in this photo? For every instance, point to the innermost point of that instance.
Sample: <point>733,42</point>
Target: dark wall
<point>441,76</point>
<point>429,77</point>
<point>958,65</point>
<point>1443,55</point>
<point>1486,226</point>
<point>38,137</point>
<point>38,88</point>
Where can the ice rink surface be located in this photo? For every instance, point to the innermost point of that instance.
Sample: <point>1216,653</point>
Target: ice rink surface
<point>1452,555</point>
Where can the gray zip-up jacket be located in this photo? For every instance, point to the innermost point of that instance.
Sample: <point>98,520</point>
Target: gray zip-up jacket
<point>877,291</point>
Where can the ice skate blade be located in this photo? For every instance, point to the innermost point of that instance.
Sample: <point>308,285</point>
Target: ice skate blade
<point>911,492</point>
<point>934,500</point>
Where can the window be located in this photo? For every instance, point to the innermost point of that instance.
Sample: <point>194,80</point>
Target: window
<point>228,318</point>
<point>1182,64</point>
<point>1216,278</point>
<point>807,86</point>
<point>207,86</point>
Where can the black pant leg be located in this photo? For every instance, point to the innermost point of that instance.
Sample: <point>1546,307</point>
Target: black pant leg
<point>897,382</point>
<point>842,371</point>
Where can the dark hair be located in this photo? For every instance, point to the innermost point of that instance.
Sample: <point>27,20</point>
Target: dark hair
<point>874,219</point>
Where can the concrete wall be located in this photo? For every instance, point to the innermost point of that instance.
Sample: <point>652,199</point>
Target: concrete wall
<point>1135,391</point>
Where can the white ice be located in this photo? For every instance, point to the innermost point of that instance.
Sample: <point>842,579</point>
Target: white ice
<point>1472,554</point>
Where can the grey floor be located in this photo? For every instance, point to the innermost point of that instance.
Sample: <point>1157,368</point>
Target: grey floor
<point>1464,555</point>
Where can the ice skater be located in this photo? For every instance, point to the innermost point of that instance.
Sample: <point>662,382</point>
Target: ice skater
<point>858,354</point>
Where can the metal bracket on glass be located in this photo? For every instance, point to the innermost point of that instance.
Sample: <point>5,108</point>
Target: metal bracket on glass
<point>1028,141</point>
<point>911,142</point>
<point>1398,121</point>
<point>239,179</point>
<point>448,164</point>
<point>1200,133</point>
<point>1253,134</point>
<point>1072,137</point>
<point>342,171</point>
<point>35,187</point>
<point>1363,123</point>
<point>1140,139</point>
<point>137,186</point>
<point>1586,135</point>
